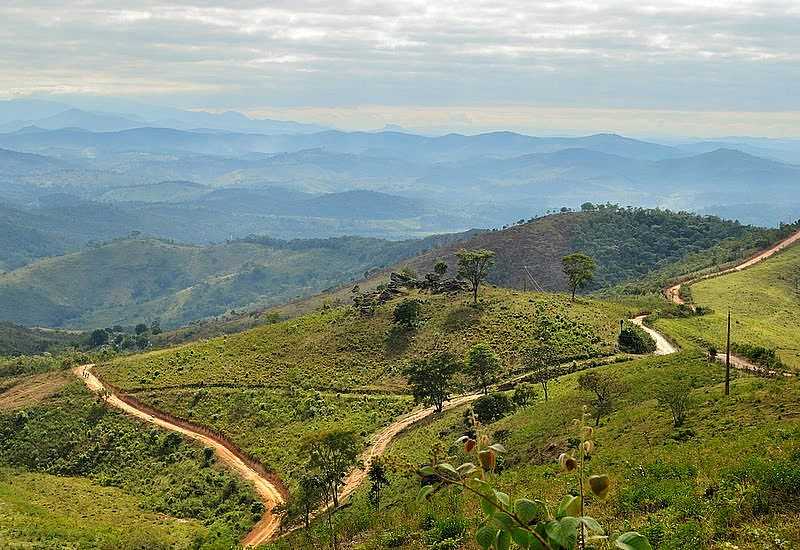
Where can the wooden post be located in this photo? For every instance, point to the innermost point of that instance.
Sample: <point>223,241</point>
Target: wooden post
<point>728,358</point>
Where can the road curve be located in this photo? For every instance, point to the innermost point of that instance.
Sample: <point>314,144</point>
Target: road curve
<point>262,531</point>
<point>673,293</point>
<point>663,346</point>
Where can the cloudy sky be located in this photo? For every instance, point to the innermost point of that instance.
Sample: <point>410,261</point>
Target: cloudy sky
<point>689,67</point>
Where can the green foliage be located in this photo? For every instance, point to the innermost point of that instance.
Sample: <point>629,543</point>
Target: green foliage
<point>474,266</point>
<point>634,339</point>
<point>483,364</point>
<point>579,269</point>
<point>605,389</point>
<point>331,455</point>
<point>759,355</point>
<point>17,340</point>
<point>73,435</point>
<point>431,379</point>
<point>407,313</point>
<point>677,398</point>
<point>524,394</point>
<point>492,407</point>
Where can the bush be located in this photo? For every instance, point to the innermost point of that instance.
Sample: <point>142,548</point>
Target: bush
<point>493,407</point>
<point>764,357</point>
<point>634,339</point>
<point>407,313</point>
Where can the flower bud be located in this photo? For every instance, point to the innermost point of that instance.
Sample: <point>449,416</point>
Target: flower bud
<point>599,485</point>
<point>488,459</point>
<point>567,462</point>
<point>469,445</point>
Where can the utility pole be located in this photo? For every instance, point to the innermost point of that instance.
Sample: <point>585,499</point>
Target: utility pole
<point>728,358</point>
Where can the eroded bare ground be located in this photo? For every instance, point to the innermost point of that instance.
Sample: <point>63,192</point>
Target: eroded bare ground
<point>29,390</point>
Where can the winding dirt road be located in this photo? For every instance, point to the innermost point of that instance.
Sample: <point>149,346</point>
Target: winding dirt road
<point>267,491</point>
<point>663,346</point>
<point>673,294</point>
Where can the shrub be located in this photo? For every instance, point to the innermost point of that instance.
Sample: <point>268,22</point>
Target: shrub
<point>676,397</point>
<point>764,357</point>
<point>407,313</point>
<point>524,394</point>
<point>491,408</point>
<point>634,339</point>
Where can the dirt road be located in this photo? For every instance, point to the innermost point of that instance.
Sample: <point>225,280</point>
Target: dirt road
<point>267,492</point>
<point>663,346</point>
<point>673,293</point>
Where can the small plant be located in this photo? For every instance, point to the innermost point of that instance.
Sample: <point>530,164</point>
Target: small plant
<point>378,478</point>
<point>407,314</point>
<point>676,397</point>
<point>529,523</point>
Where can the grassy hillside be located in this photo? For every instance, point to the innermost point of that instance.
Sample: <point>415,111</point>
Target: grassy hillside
<point>627,243</point>
<point>18,340</point>
<point>137,279</point>
<point>46,511</point>
<point>79,458</point>
<point>725,477</point>
<point>259,386</point>
<point>764,302</point>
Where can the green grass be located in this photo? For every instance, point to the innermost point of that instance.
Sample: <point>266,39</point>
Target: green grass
<point>70,434</point>
<point>271,425</point>
<point>336,349</point>
<point>728,475</point>
<point>764,303</point>
<point>46,511</point>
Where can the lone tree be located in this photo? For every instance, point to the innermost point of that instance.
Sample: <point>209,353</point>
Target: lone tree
<point>473,266</point>
<point>331,455</point>
<point>440,268</point>
<point>605,389</point>
<point>431,379</point>
<point>483,364</point>
<point>541,361</point>
<point>579,269</point>
<point>677,397</point>
<point>378,480</point>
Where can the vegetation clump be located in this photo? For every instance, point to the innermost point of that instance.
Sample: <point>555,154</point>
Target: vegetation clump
<point>634,339</point>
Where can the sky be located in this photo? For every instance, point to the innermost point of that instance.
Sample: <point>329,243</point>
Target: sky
<point>683,67</point>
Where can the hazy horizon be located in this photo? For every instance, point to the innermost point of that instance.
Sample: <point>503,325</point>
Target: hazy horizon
<point>727,68</point>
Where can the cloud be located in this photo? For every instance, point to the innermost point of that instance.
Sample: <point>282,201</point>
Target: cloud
<point>721,56</point>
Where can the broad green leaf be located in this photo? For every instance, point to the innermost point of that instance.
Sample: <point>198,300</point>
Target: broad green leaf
<point>427,471</point>
<point>489,505</point>
<point>485,537</point>
<point>530,510</point>
<point>521,536</point>
<point>425,492</point>
<point>447,471</point>
<point>632,541</point>
<point>503,520</point>
<point>503,541</point>
<point>502,497</point>
<point>466,468</point>
<point>563,532</point>
<point>592,525</point>
<point>570,506</point>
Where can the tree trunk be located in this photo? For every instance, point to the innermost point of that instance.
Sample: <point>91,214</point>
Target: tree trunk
<point>475,294</point>
<point>574,288</point>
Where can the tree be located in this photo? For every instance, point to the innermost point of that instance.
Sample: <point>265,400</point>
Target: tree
<point>579,269</point>
<point>473,266</point>
<point>155,327</point>
<point>633,339</point>
<point>378,480</point>
<point>331,456</point>
<point>676,397</point>
<point>308,496</point>
<point>407,313</point>
<point>431,379</point>
<point>541,360</point>
<point>99,337</point>
<point>141,328</point>
<point>490,408</point>
<point>440,268</point>
<point>483,364</point>
<point>605,389</point>
<point>524,394</point>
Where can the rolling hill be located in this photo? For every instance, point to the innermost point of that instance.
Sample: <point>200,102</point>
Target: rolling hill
<point>131,280</point>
